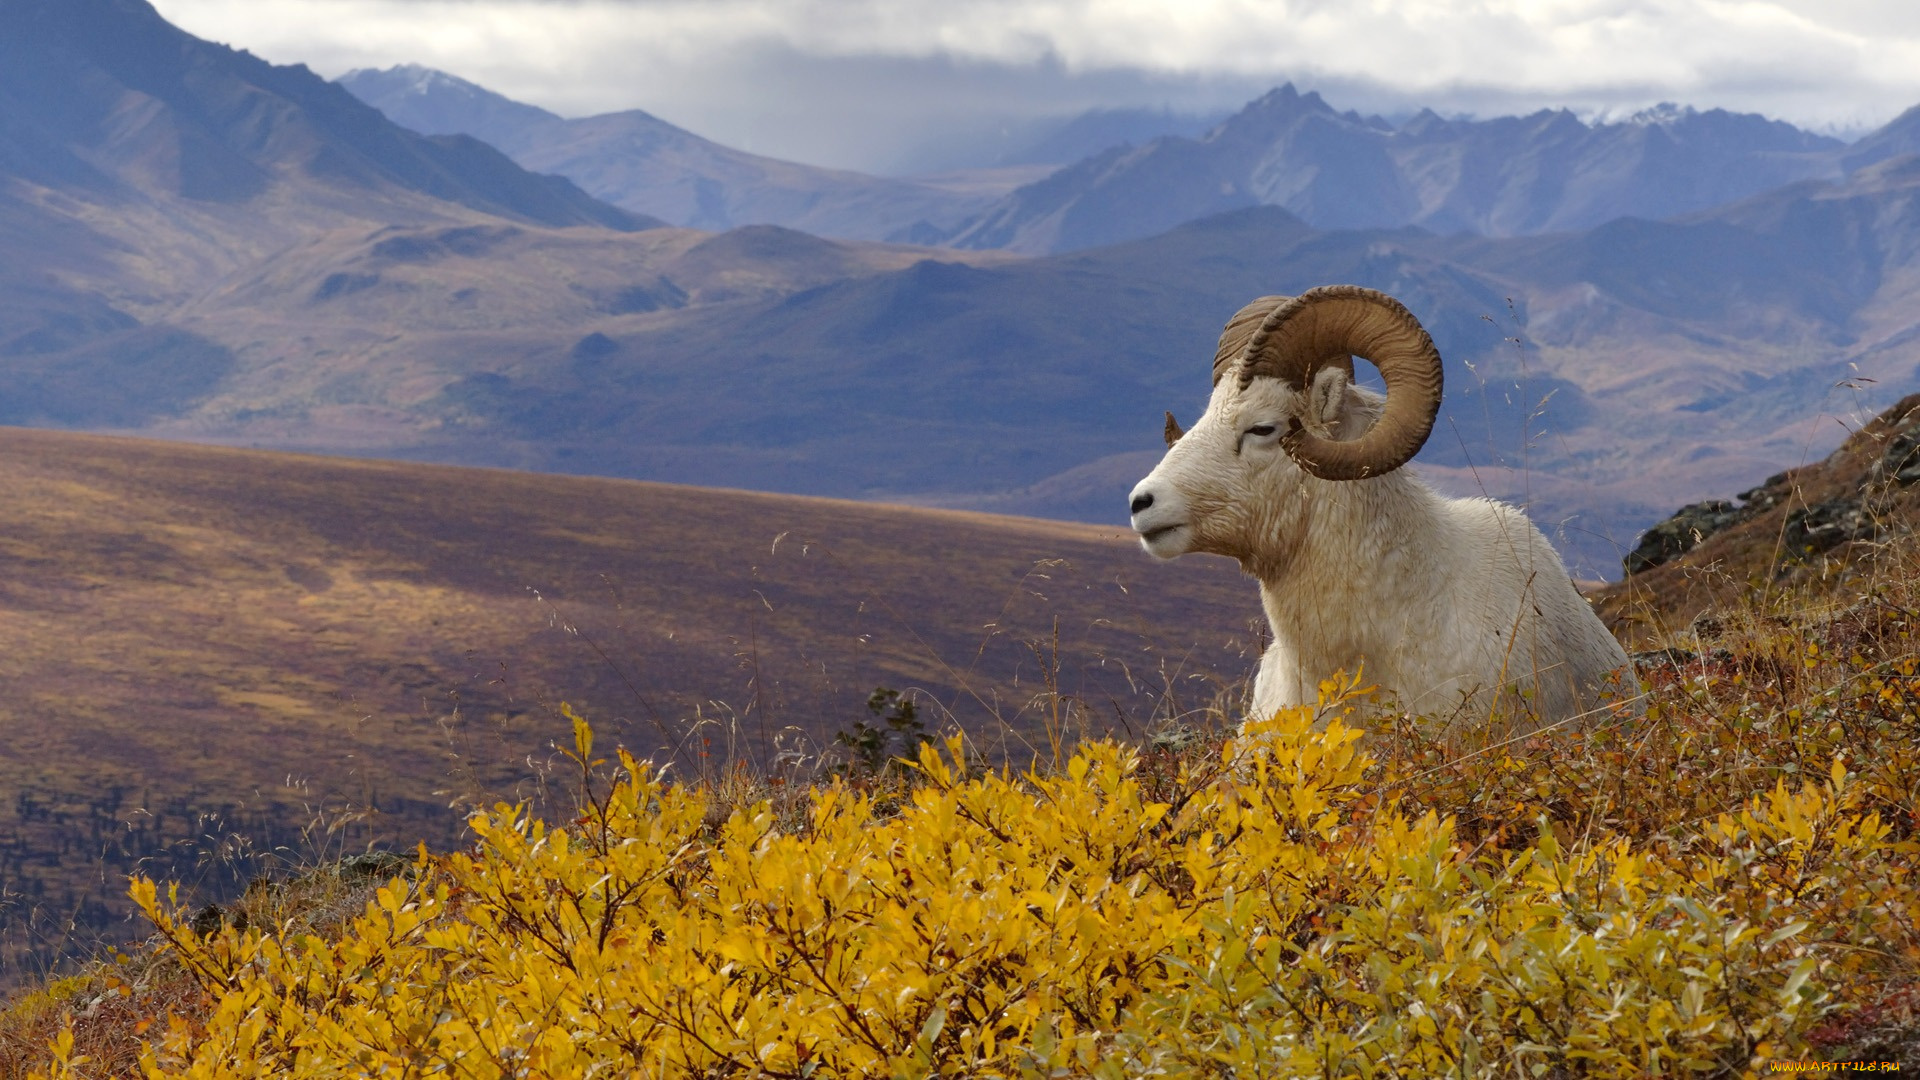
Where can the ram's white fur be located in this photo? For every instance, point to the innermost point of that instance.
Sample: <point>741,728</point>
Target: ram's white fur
<point>1454,606</point>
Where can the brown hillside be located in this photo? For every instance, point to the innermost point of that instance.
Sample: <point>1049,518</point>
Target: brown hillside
<point>188,631</point>
<point>1832,526</point>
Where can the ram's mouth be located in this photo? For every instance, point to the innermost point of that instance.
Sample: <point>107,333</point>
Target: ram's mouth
<point>1152,535</point>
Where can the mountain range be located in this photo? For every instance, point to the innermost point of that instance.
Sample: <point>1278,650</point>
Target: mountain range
<point>1138,173</point>
<point>1509,176</point>
<point>1601,376</point>
<point>636,160</point>
<point>105,99</point>
<point>375,291</point>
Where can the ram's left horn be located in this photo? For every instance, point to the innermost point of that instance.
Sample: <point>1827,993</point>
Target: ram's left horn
<point>1323,326</point>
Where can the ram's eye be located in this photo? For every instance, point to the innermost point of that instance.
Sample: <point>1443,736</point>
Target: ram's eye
<point>1261,430</point>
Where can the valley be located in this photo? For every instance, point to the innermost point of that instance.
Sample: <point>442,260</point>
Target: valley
<point>204,652</point>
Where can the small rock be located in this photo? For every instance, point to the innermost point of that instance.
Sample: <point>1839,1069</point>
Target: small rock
<point>1761,498</point>
<point>1663,658</point>
<point>1174,740</point>
<point>373,864</point>
<point>208,920</point>
<point>1680,533</point>
<point>1824,526</point>
<point>1900,463</point>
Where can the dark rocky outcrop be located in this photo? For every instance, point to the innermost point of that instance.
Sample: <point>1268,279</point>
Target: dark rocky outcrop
<point>1827,522</point>
<point>1901,462</point>
<point>1811,530</point>
<point>1859,502</point>
<point>1678,534</point>
<point>1859,510</point>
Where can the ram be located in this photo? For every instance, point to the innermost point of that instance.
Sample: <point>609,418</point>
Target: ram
<point>1453,607</point>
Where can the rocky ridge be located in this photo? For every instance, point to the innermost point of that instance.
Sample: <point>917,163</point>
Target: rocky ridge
<point>1832,522</point>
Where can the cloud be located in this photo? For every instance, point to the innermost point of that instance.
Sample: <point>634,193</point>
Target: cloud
<point>855,82</point>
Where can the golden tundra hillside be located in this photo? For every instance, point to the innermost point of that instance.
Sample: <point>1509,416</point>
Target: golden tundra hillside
<point>201,648</point>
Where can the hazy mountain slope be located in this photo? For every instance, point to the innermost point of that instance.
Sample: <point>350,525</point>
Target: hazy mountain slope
<point>401,339</point>
<point>107,91</point>
<point>1097,130</point>
<point>140,165</point>
<point>1083,206</point>
<point>1900,137</point>
<point>1549,172</point>
<point>638,161</point>
<point>204,647</point>
<point>197,180</point>
<point>436,103</point>
<point>1502,177</point>
<point>519,346</point>
<point>936,376</point>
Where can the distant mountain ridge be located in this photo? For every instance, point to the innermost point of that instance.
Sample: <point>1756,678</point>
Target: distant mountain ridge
<point>1509,176</point>
<point>1097,130</point>
<point>140,165</point>
<point>636,160</point>
<point>107,95</point>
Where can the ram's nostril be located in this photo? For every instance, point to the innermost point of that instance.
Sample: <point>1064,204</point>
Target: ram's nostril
<point>1141,502</point>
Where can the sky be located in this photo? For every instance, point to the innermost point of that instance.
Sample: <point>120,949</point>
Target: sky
<point>897,86</point>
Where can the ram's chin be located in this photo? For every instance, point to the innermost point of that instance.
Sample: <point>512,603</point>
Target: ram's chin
<point>1167,542</point>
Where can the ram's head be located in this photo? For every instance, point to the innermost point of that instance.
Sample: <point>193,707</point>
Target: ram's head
<point>1284,415</point>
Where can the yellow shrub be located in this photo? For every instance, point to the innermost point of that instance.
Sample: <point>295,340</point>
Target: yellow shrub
<point>1275,916</point>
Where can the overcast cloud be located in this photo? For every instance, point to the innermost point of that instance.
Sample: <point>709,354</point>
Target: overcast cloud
<point>874,84</point>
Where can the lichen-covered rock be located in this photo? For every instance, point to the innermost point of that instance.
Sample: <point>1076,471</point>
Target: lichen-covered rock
<point>373,864</point>
<point>1825,526</point>
<point>1767,495</point>
<point>1678,534</point>
<point>1901,462</point>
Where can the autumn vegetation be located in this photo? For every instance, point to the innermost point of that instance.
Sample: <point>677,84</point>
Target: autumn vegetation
<point>1719,882</point>
<point>1719,885</point>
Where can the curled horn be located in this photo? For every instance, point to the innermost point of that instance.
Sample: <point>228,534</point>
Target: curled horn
<point>1240,328</point>
<point>1298,337</point>
<point>1173,431</point>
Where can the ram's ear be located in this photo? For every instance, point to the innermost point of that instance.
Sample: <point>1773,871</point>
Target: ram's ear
<point>1327,397</point>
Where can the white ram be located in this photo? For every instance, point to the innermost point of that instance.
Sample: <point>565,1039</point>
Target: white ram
<point>1455,607</point>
